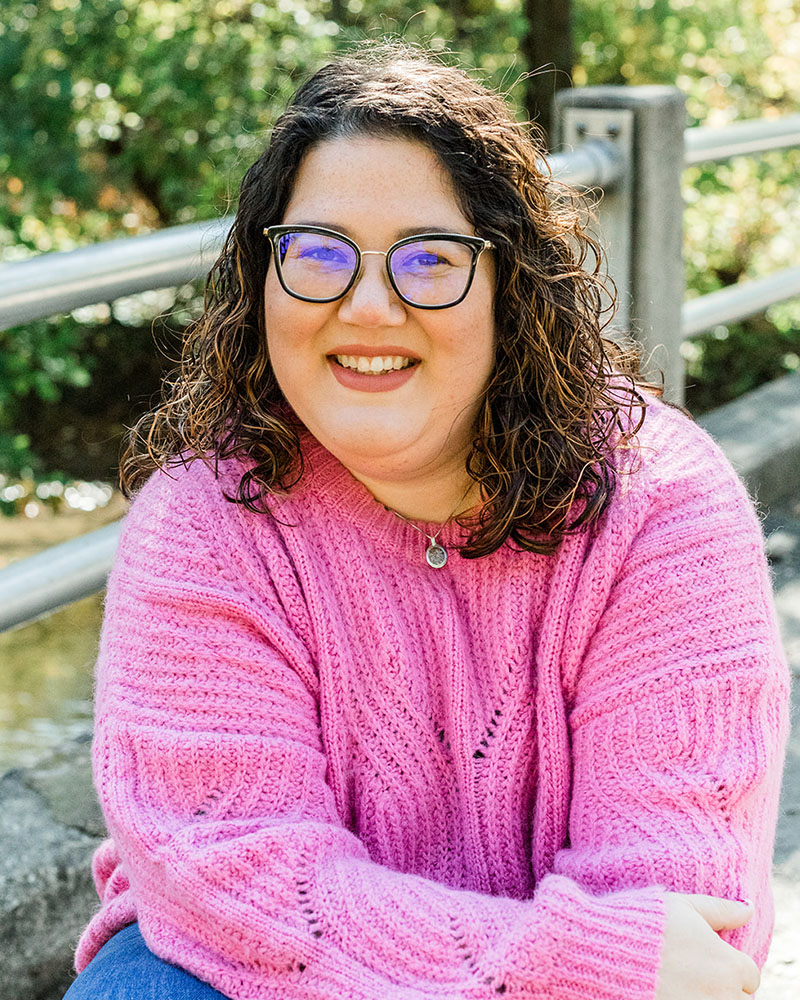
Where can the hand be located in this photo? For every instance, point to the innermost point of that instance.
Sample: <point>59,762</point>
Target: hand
<point>696,964</point>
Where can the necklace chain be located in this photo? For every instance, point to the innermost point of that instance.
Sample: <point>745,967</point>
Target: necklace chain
<point>436,553</point>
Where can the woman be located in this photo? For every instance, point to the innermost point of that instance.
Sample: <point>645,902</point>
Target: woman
<point>450,669</point>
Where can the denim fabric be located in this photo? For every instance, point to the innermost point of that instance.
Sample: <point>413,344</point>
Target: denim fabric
<point>126,969</point>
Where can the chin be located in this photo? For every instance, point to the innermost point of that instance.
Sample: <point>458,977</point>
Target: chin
<point>370,443</point>
<point>376,446</point>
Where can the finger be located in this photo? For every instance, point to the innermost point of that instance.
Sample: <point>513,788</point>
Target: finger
<point>722,914</point>
<point>751,975</point>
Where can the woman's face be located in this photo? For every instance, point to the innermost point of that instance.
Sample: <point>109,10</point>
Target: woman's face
<point>382,427</point>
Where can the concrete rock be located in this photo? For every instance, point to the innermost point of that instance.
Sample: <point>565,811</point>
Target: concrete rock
<point>49,826</point>
<point>760,434</point>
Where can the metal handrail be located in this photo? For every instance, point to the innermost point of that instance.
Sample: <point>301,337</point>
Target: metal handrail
<point>747,298</point>
<point>596,162</point>
<point>748,138</point>
<point>57,282</point>
<point>58,576</point>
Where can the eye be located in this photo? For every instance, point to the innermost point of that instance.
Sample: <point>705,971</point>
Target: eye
<point>419,258</point>
<point>428,258</point>
<point>315,250</point>
<point>432,258</point>
<point>321,252</point>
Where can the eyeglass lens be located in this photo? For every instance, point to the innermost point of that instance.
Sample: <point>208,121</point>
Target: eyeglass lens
<point>428,272</point>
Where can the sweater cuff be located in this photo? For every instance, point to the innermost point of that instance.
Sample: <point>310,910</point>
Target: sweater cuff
<point>584,946</point>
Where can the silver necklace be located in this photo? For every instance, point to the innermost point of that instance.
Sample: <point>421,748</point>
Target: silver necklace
<point>436,553</point>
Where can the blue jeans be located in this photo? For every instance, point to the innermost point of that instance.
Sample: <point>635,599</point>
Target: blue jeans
<point>126,969</point>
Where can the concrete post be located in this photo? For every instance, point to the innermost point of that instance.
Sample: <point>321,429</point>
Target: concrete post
<point>643,225</point>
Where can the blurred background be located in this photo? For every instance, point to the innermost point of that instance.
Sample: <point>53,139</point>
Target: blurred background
<point>121,117</point>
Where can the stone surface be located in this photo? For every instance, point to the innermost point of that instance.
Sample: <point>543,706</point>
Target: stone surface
<point>46,891</point>
<point>760,434</point>
<point>64,780</point>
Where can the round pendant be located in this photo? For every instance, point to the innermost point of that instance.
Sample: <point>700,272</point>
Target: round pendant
<point>436,555</point>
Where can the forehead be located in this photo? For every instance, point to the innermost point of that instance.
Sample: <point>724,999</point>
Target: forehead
<point>369,183</point>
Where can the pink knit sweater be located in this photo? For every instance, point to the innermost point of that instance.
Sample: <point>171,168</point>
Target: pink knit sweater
<point>330,771</point>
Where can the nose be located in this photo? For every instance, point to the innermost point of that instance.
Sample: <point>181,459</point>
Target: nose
<point>372,301</point>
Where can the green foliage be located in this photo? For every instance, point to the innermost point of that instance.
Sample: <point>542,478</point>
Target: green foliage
<point>128,115</point>
<point>749,353</point>
<point>125,116</point>
<point>730,59</point>
<point>37,361</point>
<point>741,220</point>
<point>121,117</point>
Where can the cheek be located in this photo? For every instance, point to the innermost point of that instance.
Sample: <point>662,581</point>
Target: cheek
<point>281,330</point>
<point>274,297</point>
<point>294,329</point>
<point>476,331</point>
<point>283,315</point>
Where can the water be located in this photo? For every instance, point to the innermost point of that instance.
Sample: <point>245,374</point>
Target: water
<point>46,679</point>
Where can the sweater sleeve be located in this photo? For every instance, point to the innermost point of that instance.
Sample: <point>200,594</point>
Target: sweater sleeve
<point>680,703</point>
<point>211,771</point>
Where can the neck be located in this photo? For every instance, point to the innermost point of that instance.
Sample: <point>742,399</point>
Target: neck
<point>435,501</point>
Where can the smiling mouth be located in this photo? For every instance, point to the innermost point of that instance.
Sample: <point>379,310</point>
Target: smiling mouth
<point>373,366</point>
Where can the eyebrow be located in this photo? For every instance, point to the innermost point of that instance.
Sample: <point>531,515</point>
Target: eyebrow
<point>400,235</point>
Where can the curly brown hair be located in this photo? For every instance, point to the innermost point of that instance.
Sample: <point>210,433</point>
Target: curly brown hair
<point>562,397</point>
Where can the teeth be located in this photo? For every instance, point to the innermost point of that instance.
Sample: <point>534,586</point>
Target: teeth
<point>373,366</point>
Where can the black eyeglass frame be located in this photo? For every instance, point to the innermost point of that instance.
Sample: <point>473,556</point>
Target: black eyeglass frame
<point>475,243</point>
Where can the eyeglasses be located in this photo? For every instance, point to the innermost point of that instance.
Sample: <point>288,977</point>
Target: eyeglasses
<point>428,271</point>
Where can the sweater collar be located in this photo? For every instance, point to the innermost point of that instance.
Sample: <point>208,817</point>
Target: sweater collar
<point>334,488</point>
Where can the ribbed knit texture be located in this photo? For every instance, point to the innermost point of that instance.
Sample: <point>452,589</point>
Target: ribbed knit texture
<point>331,772</point>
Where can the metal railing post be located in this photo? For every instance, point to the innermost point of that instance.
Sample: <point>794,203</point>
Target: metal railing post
<point>642,224</point>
